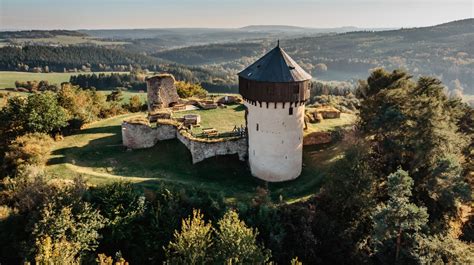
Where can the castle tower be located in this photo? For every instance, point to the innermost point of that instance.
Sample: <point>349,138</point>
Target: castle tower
<point>275,89</point>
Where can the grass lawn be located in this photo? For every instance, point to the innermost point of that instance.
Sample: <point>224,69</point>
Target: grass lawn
<point>126,95</point>
<point>223,119</point>
<point>8,78</point>
<point>96,153</point>
<point>330,124</point>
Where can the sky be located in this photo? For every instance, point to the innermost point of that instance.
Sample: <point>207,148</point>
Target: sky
<point>114,14</point>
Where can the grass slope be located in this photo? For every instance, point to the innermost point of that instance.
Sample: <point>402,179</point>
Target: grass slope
<point>8,78</point>
<point>223,120</point>
<point>331,124</point>
<point>97,154</point>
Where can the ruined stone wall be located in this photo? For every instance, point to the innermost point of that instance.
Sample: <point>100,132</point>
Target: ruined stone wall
<point>165,132</point>
<point>201,150</point>
<point>161,92</point>
<point>138,136</point>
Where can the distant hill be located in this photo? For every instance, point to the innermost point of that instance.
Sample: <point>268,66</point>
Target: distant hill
<point>445,50</point>
<point>214,56</point>
<point>100,59</point>
<point>272,28</point>
<point>284,28</point>
<point>39,34</point>
<point>153,40</point>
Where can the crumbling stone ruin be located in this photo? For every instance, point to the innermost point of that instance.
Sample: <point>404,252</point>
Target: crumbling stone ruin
<point>315,115</point>
<point>163,99</point>
<point>161,92</point>
<point>138,134</point>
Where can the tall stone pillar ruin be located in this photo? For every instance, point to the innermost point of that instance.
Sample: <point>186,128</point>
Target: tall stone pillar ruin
<point>161,92</point>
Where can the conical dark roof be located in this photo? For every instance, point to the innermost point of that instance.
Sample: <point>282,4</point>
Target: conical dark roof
<point>275,66</point>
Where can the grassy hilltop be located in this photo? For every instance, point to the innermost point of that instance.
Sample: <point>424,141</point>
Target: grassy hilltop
<point>96,153</point>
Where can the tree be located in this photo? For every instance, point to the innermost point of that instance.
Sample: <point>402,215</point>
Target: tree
<point>398,223</point>
<point>343,220</point>
<point>321,67</point>
<point>193,243</point>
<point>115,96</point>
<point>55,253</point>
<point>186,90</point>
<point>37,113</point>
<point>123,207</point>
<point>415,126</point>
<point>135,104</point>
<point>443,249</point>
<point>29,149</point>
<point>236,243</point>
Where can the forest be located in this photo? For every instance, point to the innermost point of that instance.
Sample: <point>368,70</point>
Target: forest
<point>398,196</point>
<point>86,59</point>
<point>213,57</point>
<point>445,51</point>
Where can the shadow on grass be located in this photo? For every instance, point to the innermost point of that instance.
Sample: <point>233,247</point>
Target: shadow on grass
<point>170,161</point>
<point>241,107</point>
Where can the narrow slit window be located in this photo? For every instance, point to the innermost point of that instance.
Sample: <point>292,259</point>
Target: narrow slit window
<point>291,110</point>
<point>257,127</point>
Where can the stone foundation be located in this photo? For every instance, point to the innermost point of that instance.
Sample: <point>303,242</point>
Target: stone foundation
<point>201,149</point>
<point>142,135</point>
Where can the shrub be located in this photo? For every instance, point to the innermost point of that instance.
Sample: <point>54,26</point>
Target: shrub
<point>134,104</point>
<point>29,149</point>
<point>192,244</point>
<point>186,90</point>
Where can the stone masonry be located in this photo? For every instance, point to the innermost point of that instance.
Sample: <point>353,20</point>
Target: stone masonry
<point>138,135</point>
<point>161,92</point>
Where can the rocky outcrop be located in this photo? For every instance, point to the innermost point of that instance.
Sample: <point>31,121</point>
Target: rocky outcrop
<point>161,92</point>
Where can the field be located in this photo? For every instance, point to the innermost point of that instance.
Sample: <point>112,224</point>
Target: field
<point>8,78</point>
<point>96,153</point>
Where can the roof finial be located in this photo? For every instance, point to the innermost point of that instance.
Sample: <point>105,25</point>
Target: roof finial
<point>278,43</point>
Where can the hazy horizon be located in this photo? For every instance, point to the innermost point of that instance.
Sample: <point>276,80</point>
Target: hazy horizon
<point>148,14</point>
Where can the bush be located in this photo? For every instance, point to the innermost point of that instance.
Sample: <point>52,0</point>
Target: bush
<point>29,149</point>
<point>135,104</point>
<point>186,90</point>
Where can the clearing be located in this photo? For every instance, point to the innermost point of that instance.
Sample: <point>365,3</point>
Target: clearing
<point>8,78</point>
<point>97,154</point>
<point>221,119</point>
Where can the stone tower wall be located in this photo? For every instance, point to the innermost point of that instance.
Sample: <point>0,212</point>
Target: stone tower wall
<point>275,140</point>
<point>161,92</point>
